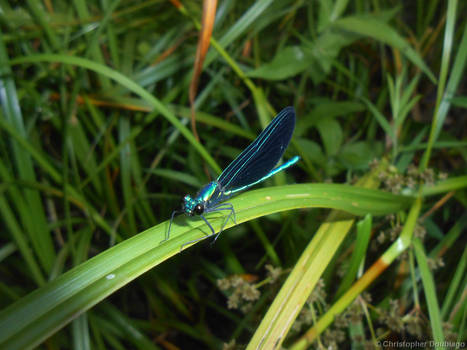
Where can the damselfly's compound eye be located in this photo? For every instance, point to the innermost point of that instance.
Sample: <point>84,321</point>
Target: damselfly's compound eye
<point>199,209</point>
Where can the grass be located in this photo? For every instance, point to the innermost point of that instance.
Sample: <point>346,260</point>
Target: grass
<point>97,150</point>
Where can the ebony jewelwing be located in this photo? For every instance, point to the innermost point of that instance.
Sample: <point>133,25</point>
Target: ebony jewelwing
<point>254,165</point>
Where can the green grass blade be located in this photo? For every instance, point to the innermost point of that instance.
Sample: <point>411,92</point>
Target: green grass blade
<point>11,116</point>
<point>381,31</point>
<point>359,253</point>
<point>456,287</point>
<point>443,106</point>
<point>130,85</point>
<point>401,244</point>
<point>430,294</point>
<point>451,184</point>
<point>38,315</point>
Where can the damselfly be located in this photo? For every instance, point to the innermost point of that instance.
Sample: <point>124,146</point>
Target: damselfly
<point>254,165</point>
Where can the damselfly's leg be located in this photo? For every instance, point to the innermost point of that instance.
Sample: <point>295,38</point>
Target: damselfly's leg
<point>167,234</point>
<point>199,239</point>
<point>209,225</point>
<point>227,206</point>
<point>224,206</point>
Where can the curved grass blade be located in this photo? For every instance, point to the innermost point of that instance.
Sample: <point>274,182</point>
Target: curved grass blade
<point>38,315</point>
<point>130,85</point>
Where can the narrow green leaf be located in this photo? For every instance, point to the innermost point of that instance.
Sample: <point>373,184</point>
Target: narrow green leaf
<point>130,85</point>
<point>331,135</point>
<point>451,184</point>
<point>358,255</point>
<point>456,287</point>
<point>288,62</point>
<point>430,294</point>
<point>36,316</point>
<point>381,31</point>
<point>12,118</point>
<point>457,73</point>
<point>460,101</point>
<point>382,121</point>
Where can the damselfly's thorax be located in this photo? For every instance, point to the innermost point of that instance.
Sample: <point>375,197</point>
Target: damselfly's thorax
<point>197,205</point>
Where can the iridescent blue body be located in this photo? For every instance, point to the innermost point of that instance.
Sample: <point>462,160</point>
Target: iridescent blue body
<point>254,165</point>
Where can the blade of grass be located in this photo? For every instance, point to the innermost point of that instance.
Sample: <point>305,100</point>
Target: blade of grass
<point>93,49</point>
<point>455,286</point>
<point>430,294</point>
<point>36,225</point>
<point>41,313</point>
<point>41,18</point>
<point>130,85</point>
<point>300,283</point>
<point>124,128</point>
<point>381,31</point>
<point>402,243</point>
<point>18,237</point>
<point>56,176</point>
<point>451,184</point>
<point>443,101</point>
<point>358,256</point>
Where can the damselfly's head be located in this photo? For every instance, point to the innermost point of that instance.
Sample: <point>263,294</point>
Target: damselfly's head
<point>192,206</point>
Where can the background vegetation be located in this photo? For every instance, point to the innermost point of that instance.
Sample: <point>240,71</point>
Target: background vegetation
<point>96,147</point>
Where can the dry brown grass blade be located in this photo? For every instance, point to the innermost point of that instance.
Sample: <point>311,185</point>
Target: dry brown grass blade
<point>209,15</point>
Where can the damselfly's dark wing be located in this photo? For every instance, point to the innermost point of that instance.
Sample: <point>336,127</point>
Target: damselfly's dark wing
<point>259,158</point>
